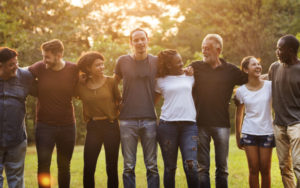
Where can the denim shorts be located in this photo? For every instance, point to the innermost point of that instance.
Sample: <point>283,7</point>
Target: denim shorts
<point>266,141</point>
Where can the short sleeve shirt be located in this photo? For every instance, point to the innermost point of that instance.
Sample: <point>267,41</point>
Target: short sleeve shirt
<point>55,91</point>
<point>286,93</point>
<point>178,100</point>
<point>258,109</point>
<point>138,87</point>
<point>212,92</point>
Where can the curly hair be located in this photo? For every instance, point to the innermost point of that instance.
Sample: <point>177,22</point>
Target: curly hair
<point>164,58</point>
<point>87,59</point>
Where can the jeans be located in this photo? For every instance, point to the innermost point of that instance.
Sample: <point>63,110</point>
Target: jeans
<point>98,133</point>
<point>288,151</point>
<point>131,131</point>
<point>220,135</point>
<point>47,136</point>
<point>12,161</point>
<point>184,135</point>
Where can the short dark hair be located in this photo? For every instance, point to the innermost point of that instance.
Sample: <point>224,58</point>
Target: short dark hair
<point>137,29</point>
<point>245,62</point>
<point>87,59</point>
<point>6,54</point>
<point>55,46</point>
<point>164,58</point>
<point>291,42</point>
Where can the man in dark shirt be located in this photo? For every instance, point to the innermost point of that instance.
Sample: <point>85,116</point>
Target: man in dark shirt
<point>55,122</point>
<point>214,83</point>
<point>285,77</point>
<point>137,116</point>
<point>15,84</point>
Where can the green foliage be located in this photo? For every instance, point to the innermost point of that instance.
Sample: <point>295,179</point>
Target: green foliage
<point>247,27</point>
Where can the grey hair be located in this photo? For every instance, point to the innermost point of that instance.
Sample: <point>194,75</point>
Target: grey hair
<point>216,38</point>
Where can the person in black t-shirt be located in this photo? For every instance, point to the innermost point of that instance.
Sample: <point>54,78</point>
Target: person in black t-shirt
<point>214,83</point>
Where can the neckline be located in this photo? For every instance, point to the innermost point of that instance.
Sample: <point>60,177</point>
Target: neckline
<point>264,83</point>
<point>104,83</point>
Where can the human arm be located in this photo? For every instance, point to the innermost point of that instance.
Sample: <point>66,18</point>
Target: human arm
<point>239,114</point>
<point>157,98</point>
<point>117,94</point>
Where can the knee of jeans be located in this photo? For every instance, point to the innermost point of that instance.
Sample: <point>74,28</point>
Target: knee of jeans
<point>191,165</point>
<point>166,145</point>
<point>128,171</point>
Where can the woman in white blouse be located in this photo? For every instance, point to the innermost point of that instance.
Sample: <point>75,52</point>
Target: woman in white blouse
<point>254,131</point>
<point>177,127</point>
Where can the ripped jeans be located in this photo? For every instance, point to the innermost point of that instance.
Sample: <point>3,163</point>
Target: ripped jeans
<point>182,134</point>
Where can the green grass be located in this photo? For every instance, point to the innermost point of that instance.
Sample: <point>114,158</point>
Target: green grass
<point>238,169</point>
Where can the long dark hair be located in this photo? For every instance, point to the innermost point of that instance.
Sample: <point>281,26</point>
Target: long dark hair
<point>164,58</point>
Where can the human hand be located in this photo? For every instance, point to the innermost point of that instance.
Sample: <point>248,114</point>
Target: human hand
<point>189,71</point>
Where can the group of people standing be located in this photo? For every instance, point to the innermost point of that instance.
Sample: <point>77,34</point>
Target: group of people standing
<point>195,110</point>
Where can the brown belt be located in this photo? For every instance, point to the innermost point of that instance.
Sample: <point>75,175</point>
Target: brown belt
<point>99,118</point>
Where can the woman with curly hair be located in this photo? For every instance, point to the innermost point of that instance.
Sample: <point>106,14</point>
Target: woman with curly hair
<point>177,126</point>
<point>100,97</point>
<point>254,131</point>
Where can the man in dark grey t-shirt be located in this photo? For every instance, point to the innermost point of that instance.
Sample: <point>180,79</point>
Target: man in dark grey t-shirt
<point>285,76</point>
<point>137,116</point>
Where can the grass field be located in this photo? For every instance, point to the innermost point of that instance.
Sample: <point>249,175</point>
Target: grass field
<point>238,170</point>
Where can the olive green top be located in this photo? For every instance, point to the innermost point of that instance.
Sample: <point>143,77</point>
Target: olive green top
<point>100,102</point>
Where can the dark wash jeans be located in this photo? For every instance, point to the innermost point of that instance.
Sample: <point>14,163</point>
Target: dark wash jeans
<point>183,135</point>
<point>98,133</point>
<point>47,136</point>
<point>220,135</point>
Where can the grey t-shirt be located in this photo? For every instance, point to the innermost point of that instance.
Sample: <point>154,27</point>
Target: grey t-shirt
<point>138,86</point>
<point>286,93</point>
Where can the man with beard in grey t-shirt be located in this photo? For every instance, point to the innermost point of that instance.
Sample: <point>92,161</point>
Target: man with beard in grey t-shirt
<point>137,115</point>
<point>285,76</point>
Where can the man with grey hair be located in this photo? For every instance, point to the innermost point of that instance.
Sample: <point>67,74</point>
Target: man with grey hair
<point>214,83</point>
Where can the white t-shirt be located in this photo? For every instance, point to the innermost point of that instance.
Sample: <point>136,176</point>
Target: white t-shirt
<point>258,105</point>
<point>178,100</point>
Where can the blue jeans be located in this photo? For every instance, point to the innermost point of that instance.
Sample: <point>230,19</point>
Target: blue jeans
<point>184,135</point>
<point>47,136</point>
<point>220,135</point>
<point>131,131</point>
<point>12,161</point>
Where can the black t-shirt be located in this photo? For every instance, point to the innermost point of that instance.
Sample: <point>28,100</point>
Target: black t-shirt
<point>212,92</point>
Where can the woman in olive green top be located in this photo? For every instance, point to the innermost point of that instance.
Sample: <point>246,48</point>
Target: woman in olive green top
<point>100,98</point>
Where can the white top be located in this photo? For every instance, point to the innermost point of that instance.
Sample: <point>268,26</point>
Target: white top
<point>258,109</point>
<point>178,100</point>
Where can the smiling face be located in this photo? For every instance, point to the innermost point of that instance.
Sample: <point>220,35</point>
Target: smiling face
<point>210,50</point>
<point>175,67</point>
<point>282,52</point>
<point>97,68</point>
<point>139,42</point>
<point>254,68</point>
<point>9,68</point>
<point>50,59</point>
